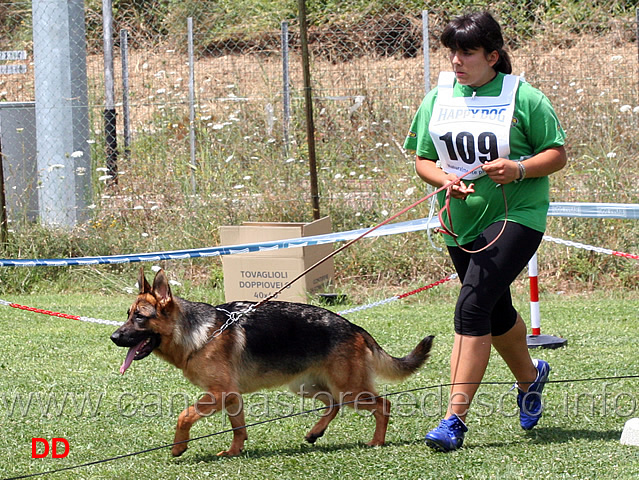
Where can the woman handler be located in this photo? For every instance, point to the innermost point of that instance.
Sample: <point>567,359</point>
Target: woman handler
<point>481,115</point>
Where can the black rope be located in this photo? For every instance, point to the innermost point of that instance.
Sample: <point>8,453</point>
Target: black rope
<point>305,412</point>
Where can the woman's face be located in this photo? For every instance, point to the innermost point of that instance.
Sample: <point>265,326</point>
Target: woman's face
<point>473,67</point>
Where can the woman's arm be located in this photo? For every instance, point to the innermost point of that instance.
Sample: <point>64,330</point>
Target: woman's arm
<point>543,164</point>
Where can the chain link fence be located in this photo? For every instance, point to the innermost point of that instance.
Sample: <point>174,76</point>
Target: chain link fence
<point>209,113</point>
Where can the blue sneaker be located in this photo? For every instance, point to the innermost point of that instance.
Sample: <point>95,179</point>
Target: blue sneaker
<point>448,436</point>
<point>529,403</point>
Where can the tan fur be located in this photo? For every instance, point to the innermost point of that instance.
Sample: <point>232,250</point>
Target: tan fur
<point>220,367</point>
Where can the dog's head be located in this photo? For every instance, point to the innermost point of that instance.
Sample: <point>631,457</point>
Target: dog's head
<point>147,319</point>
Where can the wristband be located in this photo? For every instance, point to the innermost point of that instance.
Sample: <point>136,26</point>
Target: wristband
<point>522,172</point>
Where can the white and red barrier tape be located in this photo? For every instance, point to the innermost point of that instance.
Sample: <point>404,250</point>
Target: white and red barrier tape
<point>398,297</point>
<point>352,310</point>
<point>111,322</point>
<point>60,315</point>
<point>607,251</point>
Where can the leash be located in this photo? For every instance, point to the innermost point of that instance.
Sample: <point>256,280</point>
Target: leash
<point>367,232</point>
<point>449,231</point>
<point>234,318</point>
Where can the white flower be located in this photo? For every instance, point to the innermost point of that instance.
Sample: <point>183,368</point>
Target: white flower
<point>611,154</point>
<point>338,176</point>
<point>238,187</point>
<point>625,108</point>
<point>175,283</point>
<point>409,191</point>
<point>77,154</point>
<point>384,213</point>
<point>156,268</point>
<point>53,167</point>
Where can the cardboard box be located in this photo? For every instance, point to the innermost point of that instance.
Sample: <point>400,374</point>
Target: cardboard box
<point>254,276</point>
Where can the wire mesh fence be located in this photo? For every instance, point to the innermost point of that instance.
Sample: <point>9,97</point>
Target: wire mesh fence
<point>208,103</point>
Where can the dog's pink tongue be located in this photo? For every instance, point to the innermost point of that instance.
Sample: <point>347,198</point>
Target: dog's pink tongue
<point>129,357</point>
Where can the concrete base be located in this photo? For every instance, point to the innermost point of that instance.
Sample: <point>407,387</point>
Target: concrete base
<point>545,341</point>
<point>630,434</point>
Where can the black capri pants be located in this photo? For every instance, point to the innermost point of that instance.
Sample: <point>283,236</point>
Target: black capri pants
<point>484,305</point>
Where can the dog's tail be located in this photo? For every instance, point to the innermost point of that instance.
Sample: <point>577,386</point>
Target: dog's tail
<point>393,368</point>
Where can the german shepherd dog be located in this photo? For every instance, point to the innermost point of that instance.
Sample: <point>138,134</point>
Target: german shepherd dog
<point>317,353</point>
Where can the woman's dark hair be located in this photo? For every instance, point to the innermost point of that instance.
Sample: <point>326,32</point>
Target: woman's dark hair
<point>475,30</point>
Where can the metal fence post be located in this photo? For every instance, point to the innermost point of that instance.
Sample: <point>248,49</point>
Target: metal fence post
<point>426,48</point>
<point>286,87</point>
<point>189,23</point>
<point>62,118</point>
<point>110,123</point>
<point>126,111</point>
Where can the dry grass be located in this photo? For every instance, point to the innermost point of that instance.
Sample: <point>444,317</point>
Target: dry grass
<point>244,173</point>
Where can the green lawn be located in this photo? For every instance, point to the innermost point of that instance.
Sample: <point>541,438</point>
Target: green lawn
<point>60,379</point>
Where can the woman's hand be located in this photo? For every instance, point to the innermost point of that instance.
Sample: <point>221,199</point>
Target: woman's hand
<point>502,170</point>
<point>459,189</point>
<point>544,163</point>
<point>435,176</point>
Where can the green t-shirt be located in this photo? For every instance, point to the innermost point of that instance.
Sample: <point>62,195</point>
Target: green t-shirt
<point>535,128</point>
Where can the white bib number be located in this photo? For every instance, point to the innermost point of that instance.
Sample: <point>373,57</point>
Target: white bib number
<point>470,131</point>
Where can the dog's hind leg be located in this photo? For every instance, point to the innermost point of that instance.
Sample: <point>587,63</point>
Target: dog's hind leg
<point>209,404</point>
<point>352,383</point>
<point>368,399</point>
<point>318,392</point>
<point>332,409</point>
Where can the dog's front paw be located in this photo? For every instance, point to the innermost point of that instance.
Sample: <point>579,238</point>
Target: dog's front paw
<point>312,437</point>
<point>179,449</point>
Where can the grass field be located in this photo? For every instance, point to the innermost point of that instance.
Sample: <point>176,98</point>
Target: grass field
<point>60,380</point>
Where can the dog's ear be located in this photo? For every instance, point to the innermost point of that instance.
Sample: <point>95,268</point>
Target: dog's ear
<point>143,285</point>
<point>161,288</point>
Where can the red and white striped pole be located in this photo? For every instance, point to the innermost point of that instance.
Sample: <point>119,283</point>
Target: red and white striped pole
<point>533,276</point>
<point>536,339</point>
